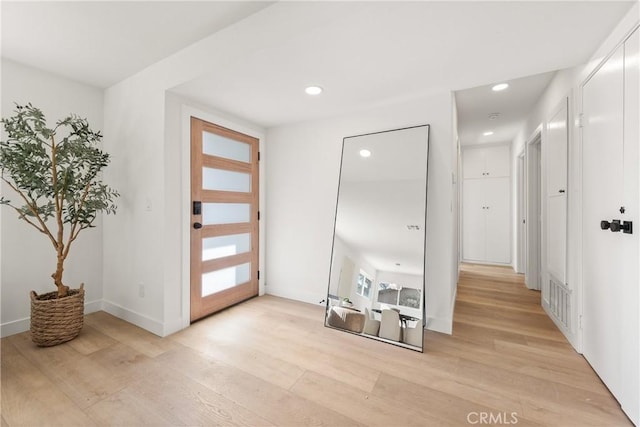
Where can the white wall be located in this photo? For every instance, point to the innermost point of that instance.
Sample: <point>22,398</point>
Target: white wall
<point>140,246</point>
<point>566,84</point>
<point>304,163</point>
<point>28,258</point>
<point>134,239</point>
<point>340,251</point>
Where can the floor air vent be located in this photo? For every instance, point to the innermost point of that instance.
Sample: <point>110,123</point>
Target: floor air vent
<point>560,302</point>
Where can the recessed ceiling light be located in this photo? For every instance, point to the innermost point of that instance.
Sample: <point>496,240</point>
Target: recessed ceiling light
<point>313,90</point>
<point>488,133</point>
<point>365,153</point>
<point>499,87</point>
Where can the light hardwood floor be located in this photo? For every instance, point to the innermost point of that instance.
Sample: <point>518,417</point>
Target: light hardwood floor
<point>270,361</point>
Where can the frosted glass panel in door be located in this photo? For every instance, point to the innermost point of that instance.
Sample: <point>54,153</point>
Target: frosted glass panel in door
<point>226,278</point>
<point>225,213</point>
<point>222,246</point>
<point>224,180</point>
<point>216,145</point>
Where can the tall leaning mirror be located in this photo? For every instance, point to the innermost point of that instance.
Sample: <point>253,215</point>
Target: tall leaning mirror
<point>376,281</point>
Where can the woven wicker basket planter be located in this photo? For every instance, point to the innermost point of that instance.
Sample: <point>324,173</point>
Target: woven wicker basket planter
<point>56,320</point>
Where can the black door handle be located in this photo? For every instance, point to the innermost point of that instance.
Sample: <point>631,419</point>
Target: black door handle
<point>197,225</point>
<point>616,226</point>
<point>560,191</point>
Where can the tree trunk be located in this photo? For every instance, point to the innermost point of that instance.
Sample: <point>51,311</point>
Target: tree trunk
<point>57,277</point>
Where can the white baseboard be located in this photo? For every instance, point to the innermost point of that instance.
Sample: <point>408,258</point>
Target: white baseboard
<point>92,307</point>
<point>570,336</point>
<point>22,325</point>
<point>152,325</point>
<point>174,326</point>
<point>440,324</point>
<point>15,327</point>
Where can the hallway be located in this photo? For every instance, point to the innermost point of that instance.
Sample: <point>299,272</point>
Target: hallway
<point>507,345</point>
<point>270,361</point>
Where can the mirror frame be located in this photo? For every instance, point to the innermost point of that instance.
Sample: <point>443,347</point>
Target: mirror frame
<point>422,321</point>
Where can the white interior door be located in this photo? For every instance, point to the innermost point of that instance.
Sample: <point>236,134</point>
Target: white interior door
<point>473,220</point>
<point>611,191</point>
<point>346,278</point>
<point>556,170</point>
<point>497,248</point>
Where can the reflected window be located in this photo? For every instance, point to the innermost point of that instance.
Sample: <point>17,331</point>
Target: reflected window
<point>391,293</point>
<point>364,284</point>
<point>387,293</point>
<point>409,297</point>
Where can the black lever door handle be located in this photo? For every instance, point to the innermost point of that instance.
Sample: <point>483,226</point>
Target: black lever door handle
<point>560,191</point>
<point>605,225</point>
<point>197,225</point>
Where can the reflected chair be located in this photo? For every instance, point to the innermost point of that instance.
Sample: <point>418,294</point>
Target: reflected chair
<point>371,325</point>
<point>390,325</point>
<point>413,336</point>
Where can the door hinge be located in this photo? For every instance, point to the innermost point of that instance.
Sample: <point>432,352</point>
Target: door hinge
<point>258,215</point>
<point>581,120</point>
<point>258,274</point>
<point>258,156</point>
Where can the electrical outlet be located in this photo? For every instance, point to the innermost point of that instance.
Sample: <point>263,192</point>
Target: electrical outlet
<point>141,290</point>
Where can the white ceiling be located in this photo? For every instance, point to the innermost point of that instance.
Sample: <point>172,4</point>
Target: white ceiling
<point>513,106</point>
<point>363,53</point>
<point>371,53</point>
<point>103,42</point>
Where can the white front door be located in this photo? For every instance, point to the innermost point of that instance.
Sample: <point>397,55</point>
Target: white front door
<point>611,192</point>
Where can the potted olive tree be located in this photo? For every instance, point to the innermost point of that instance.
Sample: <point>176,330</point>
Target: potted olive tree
<point>54,175</point>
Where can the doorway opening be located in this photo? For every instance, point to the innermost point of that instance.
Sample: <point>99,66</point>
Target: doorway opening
<point>533,220</point>
<point>521,264</point>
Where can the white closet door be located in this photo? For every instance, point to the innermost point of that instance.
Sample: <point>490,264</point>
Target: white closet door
<point>611,191</point>
<point>630,246</point>
<point>498,224</point>
<point>556,146</point>
<point>473,163</point>
<point>473,220</point>
<point>497,161</point>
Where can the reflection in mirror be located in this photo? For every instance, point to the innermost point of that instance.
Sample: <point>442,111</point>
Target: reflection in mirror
<point>376,283</point>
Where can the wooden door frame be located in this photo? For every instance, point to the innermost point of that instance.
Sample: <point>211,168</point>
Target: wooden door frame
<point>186,113</point>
